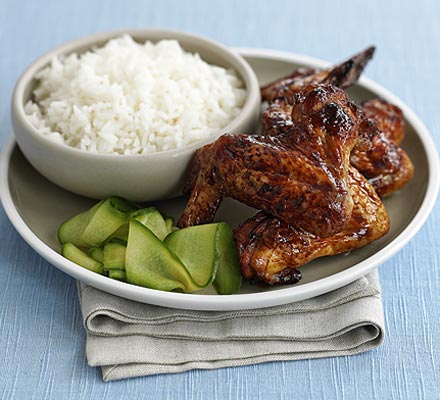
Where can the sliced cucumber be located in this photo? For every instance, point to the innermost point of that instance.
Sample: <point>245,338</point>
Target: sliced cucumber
<point>149,263</point>
<point>114,256</point>
<point>96,253</point>
<point>121,234</point>
<point>209,254</point>
<point>118,274</point>
<point>153,220</point>
<point>144,248</point>
<point>75,254</point>
<point>169,223</point>
<point>228,277</point>
<point>107,219</point>
<point>72,229</point>
<point>195,247</point>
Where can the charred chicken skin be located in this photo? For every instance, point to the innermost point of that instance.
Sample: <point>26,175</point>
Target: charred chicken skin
<point>388,118</point>
<point>317,173</point>
<point>300,178</point>
<point>342,75</point>
<point>377,154</point>
<point>379,159</point>
<point>270,249</point>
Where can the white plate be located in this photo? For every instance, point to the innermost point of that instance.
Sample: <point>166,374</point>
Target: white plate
<point>36,207</point>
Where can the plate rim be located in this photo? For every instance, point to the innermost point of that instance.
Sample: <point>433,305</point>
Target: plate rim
<point>249,300</point>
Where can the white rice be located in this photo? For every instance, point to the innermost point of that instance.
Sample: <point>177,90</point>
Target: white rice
<point>131,98</point>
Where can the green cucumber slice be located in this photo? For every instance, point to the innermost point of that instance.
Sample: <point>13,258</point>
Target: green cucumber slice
<point>195,247</point>
<point>72,229</point>
<point>114,256</point>
<point>114,235</point>
<point>153,220</point>
<point>118,274</point>
<point>169,223</point>
<point>75,254</point>
<point>228,277</point>
<point>107,219</point>
<point>121,234</point>
<point>149,262</point>
<point>96,253</point>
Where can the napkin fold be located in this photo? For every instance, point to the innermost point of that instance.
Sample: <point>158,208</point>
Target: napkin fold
<point>127,339</point>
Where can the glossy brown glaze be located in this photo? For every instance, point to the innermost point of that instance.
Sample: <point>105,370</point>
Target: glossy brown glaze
<point>300,178</point>
<point>375,154</point>
<point>270,250</point>
<point>280,93</point>
<point>277,118</point>
<point>307,173</point>
<point>388,118</point>
<point>342,75</point>
<point>384,163</point>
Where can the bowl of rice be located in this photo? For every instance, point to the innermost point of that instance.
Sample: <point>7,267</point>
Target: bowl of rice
<point>122,113</point>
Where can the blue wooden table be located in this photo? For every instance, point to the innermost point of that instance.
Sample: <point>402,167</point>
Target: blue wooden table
<point>42,341</point>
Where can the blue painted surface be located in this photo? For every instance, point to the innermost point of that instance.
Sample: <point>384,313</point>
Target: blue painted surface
<point>41,338</point>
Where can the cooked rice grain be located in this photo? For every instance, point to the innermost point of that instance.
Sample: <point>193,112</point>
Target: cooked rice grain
<point>131,98</point>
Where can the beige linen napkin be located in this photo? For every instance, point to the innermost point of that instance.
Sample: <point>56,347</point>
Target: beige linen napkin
<point>128,339</point>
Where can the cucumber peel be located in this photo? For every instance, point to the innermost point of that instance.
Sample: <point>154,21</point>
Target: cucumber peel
<point>111,214</point>
<point>142,247</point>
<point>114,256</point>
<point>153,220</point>
<point>149,263</point>
<point>75,254</point>
<point>195,248</point>
<point>118,274</point>
<point>228,277</point>
<point>121,234</point>
<point>72,229</point>
<point>169,223</point>
<point>96,253</point>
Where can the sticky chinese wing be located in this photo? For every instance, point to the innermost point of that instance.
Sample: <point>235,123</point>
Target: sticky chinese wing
<point>377,154</point>
<point>342,75</point>
<point>300,178</point>
<point>270,250</point>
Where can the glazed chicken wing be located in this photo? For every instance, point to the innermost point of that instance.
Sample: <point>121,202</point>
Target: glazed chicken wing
<point>279,93</point>
<point>270,250</point>
<point>342,75</point>
<point>300,178</point>
<point>379,159</point>
<point>388,118</point>
<point>317,173</point>
<point>376,154</point>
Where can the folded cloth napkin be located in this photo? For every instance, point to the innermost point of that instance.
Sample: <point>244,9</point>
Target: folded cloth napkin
<point>129,339</point>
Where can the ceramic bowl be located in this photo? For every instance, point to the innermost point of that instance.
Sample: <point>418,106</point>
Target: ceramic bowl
<point>148,177</point>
